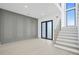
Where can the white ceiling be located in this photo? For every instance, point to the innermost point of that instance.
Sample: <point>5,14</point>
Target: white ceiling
<point>36,10</point>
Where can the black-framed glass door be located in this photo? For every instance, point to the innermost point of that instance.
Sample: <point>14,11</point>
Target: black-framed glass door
<point>47,29</point>
<point>43,30</point>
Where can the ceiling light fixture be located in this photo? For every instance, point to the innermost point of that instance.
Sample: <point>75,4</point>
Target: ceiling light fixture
<point>26,6</point>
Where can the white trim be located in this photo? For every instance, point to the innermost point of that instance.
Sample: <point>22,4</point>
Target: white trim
<point>60,8</point>
<point>70,9</point>
<point>65,14</point>
<point>76,14</point>
<point>77,21</point>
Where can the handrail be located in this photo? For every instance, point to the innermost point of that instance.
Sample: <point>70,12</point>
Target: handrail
<point>57,30</point>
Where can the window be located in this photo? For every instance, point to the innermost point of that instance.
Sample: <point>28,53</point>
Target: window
<point>70,5</point>
<point>70,14</point>
<point>71,17</point>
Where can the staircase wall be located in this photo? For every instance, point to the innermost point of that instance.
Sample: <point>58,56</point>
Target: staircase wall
<point>78,20</point>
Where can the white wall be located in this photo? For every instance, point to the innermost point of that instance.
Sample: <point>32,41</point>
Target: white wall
<point>63,15</point>
<point>78,28</point>
<point>53,17</point>
<point>78,20</point>
<point>17,27</point>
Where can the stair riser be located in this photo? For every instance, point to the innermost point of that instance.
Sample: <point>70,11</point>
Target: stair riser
<point>67,37</point>
<point>69,29</point>
<point>68,32</point>
<point>72,42</point>
<point>67,44</point>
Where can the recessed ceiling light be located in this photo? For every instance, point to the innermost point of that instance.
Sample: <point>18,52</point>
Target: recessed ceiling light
<point>26,6</point>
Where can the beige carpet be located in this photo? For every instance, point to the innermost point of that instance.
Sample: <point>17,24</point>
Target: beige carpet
<point>31,47</point>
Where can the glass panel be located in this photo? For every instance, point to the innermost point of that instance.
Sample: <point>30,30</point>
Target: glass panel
<point>49,30</point>
<point>44,30</point>
<point>70,17</point>
<point>70,5</point>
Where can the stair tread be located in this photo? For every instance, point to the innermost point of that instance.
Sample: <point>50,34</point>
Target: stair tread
<point>75,33</point>
<point>68,37</point>
<point>68,44</point>
<point>68,49</point>
<point>70,34</point>
<point>68,40</point>
<point>67,31</point>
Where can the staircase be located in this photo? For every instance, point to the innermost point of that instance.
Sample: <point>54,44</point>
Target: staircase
<point>68,39</point>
